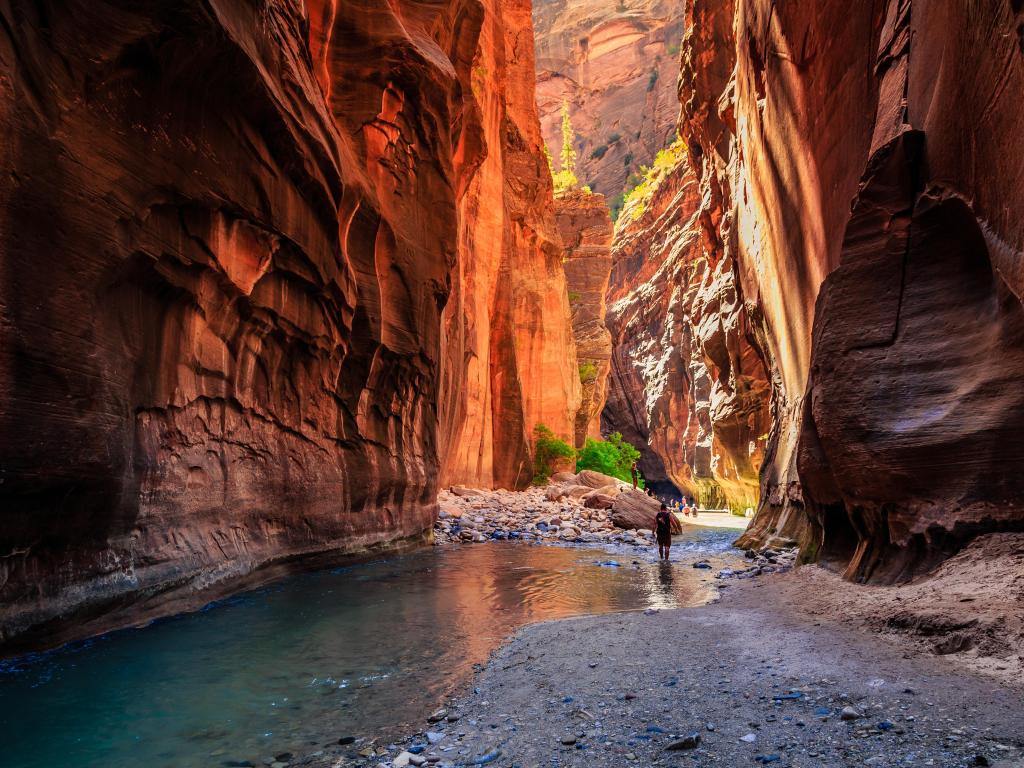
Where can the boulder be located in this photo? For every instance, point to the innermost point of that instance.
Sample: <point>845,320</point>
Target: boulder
<point>578,491</point>
<point>592,479</point>
<point>635,510</point>
<point>597,500</point>
<point>556,492</point>
<point>564,478</point>
<point>464,492</point>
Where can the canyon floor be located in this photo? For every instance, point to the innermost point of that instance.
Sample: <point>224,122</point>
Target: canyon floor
<point>793,669</point>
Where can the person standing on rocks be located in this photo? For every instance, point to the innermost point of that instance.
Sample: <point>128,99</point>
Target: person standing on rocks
<point>636,474</point>
<point>663,531</point>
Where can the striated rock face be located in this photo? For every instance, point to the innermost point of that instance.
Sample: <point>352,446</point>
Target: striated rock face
<point>892,333</point>
<point>229,234</point>
<point>687,385</point>
<point>510,360</point>
<point>586,230</point>
<point>616,65</point>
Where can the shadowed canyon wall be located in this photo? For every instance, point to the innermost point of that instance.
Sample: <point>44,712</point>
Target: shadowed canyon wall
<point>615,62</point>
<point>891,334</point>
<point>230,233</point>
<point>586,230</point>
<point>687,386</point>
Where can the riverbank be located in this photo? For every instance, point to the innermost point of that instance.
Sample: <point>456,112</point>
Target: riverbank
<point>560,512</point>
<point>789,669</point>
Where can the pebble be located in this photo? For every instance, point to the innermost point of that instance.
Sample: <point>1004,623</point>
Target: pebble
<point>750,738</point>
<point>438,716</point>
<point>568,740</point>
<point>692,741</point>
<point>849,713</point>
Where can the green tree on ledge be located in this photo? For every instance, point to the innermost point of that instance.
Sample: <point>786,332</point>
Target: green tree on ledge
<point>565,179</point>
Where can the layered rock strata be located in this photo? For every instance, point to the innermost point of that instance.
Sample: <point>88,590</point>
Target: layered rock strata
<point>229,234</point>
<point>687,387</point>
<point>586,231</point>
<point>892,334</point>
<point>615,65</point>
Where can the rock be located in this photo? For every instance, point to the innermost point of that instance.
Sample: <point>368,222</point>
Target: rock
<point>242,306</point>
<point>556,492</point>
<point>347,740</point>
<point>595,480</point>
<point>634,509</point>
<point>749,738</point>
<point>704,564</point>
<point>564,478</point>
<point>464,492</point>
<point>849,713</point>
<point>568,740</point>
<point>404,759</point>
<point>691,741</point>
<point>608,83</point>
<point>598,501</point>
<point>438,715</point>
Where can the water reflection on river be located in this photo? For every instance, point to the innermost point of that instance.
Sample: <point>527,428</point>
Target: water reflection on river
<point>358,651</point>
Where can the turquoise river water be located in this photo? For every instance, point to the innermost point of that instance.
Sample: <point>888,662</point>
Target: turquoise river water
<point>359,651</point>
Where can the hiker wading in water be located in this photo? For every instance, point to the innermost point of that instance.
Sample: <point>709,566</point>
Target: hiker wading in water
<point>663,530</point>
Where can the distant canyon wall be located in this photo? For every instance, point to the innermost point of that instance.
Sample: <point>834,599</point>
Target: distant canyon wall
<point>585,227</point>
<point>615,64</point>
<point>859,166</point>
<point>264,275</point>
<point>687,386</point>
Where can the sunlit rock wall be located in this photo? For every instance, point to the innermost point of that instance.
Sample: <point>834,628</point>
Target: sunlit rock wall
<point>687,386</point>
<point>890,335</point>
<point>229,232</point>
<point>615,62</point>
<point>509,354</point>
<point>586,230</point>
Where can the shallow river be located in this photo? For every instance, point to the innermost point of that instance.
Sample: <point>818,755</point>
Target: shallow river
<point>359,651</point>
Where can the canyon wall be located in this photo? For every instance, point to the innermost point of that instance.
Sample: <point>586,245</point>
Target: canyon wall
<point>586,231</point>
<point>509,355</point>
<point>616,65</point>
<point>229,234</point>
<point>687,386</point>
<point>892,334</point>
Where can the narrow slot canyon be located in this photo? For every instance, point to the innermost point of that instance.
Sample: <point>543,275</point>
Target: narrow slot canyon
<point>360,361</point>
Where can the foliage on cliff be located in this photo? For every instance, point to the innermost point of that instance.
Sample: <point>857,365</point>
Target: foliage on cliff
<point>634,201</point>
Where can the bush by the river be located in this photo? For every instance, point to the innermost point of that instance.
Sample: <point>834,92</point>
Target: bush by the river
<point>613,456</point>
<point>548,452</point>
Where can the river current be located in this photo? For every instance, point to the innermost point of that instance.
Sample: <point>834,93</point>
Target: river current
<point>357,651</point>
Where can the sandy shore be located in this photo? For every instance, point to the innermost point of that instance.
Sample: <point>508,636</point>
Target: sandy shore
<point>761,677</point>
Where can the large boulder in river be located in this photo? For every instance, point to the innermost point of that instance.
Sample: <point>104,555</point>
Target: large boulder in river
<point>636,510</point>
<point>592,479</point>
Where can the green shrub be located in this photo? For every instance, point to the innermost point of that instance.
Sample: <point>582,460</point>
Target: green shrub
<point>613,456</point>
<point>574,296</point>
<point>652,81</point>
<point>588,372</point>
<point>599,152</point>
<point>547,449</point>
<point>627,160</point>
<point>615,206</point>
<point>614,138</point>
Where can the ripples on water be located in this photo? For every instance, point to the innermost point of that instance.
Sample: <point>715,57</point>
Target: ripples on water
<point>353,651</point>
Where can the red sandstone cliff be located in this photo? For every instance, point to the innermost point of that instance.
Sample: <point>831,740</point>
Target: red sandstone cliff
<point>687,386</point>
<point>229,233</point>
<point>892,335</point>
<point>586,230</point>
<point>616,64</point>
<point>510,361</point>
